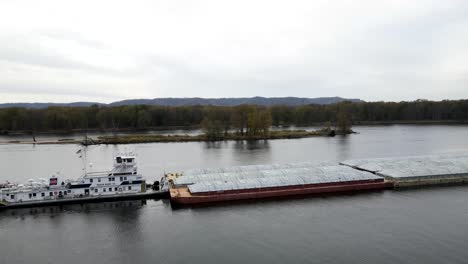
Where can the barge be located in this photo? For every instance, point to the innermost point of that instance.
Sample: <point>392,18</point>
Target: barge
<point>122,182</point>
<point>268,181</point>
<point>417,171</point>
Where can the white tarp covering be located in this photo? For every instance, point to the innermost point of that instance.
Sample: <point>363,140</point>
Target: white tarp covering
<point>445,165</point>
<point>264,176</point>
<point>246,172</point>
<point>239,169</point>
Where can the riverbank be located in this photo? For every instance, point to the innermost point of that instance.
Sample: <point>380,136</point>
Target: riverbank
<point>282,134</point>
<point>158,138</point>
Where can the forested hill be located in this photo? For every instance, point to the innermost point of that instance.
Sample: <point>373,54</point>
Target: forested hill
<point>261,101</point>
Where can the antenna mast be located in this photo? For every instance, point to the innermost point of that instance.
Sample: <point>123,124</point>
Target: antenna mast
<point>82,153</point>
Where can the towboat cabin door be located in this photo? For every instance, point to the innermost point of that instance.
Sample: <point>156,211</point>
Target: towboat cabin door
<point>86,191</point>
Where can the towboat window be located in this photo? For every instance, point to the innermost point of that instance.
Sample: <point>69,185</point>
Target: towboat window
<point>65,193</point>
<point>129,188</point>
<point>12,196</point>
<point>96,190</point>
<point>125,178</point>
<point>110,189</point>
<point>30,195</point>
<point>121,178</point>
<point>51,194</point>
<point>42,194</point>
<point>104,189</point>
<point>34,194</point>
<point>90,180</point>
<point>119,160</point>
<point>115,189</point>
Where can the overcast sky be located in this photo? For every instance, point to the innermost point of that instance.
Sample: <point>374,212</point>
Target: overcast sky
<point>64,51</point>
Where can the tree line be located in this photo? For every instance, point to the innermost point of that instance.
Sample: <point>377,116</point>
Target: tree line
<point>245,119</point>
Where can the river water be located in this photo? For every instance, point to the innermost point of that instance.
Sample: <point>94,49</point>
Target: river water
<point>412,226</point>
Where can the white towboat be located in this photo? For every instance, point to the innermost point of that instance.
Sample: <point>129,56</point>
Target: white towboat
<point>122,182</point>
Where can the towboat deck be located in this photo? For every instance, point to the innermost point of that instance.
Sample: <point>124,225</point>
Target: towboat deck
<point>91,199</point>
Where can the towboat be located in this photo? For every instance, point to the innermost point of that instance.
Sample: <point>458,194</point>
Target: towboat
<point>122,182</point>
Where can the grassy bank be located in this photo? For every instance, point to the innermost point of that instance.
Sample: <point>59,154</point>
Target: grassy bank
<point>132,139</point>
<point>158,138</point>
<point>139,138</point>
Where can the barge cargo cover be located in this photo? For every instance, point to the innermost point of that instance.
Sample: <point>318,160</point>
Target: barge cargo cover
<point>266,181</point>
<point>417,170</point>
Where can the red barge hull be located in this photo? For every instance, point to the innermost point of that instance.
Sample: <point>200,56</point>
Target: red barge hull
<point>182,196</point>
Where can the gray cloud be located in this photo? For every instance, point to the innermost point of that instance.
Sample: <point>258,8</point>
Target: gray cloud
<point>393,50</point>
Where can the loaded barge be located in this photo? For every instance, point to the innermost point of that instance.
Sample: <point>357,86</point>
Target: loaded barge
<point>267,181</point>
<point>417,171</point>
<point>123,182</point>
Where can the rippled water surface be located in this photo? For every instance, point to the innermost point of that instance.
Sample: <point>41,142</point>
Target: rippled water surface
<point>412,226</point>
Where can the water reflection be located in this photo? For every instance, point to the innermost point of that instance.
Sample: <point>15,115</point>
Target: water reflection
<point>343,144</point>
<point>216,144</point>
<point>245,145</point>
<point>89,208</point>
<point>251,152</point>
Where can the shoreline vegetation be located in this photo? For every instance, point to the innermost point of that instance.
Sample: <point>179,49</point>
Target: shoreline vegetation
<point>282,134</point>
<point>154,138</point>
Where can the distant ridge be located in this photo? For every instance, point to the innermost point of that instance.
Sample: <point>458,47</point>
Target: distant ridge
<point>45,105</point>
<point>264,101</point>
